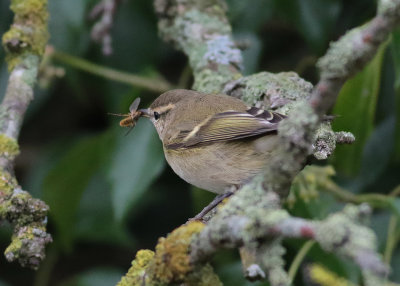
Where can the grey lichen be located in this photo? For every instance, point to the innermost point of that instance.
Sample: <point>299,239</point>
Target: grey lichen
<point>272,261</point>
<point>280,92</point>
<point>254,273</point>
<point>343,137</point>
<point>345,234</point>
<point>209,81</point>
<point>335,63</point>
<point>28,245</point>
<point>296,133</point>
<point>222,50</point>
<point>269,90</point>
<point>200,29</point>
<point>324,142</point>
<point>389,8</point>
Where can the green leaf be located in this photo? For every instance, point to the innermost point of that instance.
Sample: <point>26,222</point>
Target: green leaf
<point>67,25</point>
<point>65,183</point>
<point>140,39</point>
<point>395,273</point>
<point>137,161</point>
<point>3,79</point>
<point>395,48</point>
<point>246,17</point>
<point>3,283</point>
<point>395,206</point>
<point>376,154</point>
<point>251,55</point>
<point>96,222</point>
<point>355,108</point>
<point>315,20</point>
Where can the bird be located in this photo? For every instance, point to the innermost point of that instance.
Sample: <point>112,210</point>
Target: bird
<point>212,141</point>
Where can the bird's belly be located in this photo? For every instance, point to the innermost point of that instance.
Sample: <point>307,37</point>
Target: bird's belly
<point>218,166</point>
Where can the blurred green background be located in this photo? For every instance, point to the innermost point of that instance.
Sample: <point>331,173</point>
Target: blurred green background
<point>112,194</point>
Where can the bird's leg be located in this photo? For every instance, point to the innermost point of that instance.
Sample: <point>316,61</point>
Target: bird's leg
<point>215,202</point>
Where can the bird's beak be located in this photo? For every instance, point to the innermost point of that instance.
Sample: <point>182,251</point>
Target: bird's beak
<point>145,112</point>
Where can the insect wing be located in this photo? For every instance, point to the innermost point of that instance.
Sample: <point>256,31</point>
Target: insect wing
<point>134,105</point>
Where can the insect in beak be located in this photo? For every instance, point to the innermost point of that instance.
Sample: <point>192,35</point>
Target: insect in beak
<point>132,117</point>
<point>144,112</point>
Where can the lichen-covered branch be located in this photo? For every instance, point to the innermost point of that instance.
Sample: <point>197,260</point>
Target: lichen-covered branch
<point>170,263</point>
<point>24,44</point>
<point>201,30</point>
<point>255,217</point>
<point>351,52</point>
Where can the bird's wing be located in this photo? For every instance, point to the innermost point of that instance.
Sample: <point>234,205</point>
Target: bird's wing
<point>228,126</point>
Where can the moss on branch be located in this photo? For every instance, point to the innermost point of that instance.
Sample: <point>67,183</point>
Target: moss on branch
<point>28,33</point>
<point>171,263</point>
<point>24,44</point>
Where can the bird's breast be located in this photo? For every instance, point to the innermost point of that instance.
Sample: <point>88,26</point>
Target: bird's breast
<point>218,166</point>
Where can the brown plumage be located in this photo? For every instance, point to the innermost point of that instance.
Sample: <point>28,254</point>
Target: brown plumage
<point>213,141</point>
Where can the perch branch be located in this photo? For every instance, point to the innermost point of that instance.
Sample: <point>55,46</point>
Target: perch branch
<point>24,44</point>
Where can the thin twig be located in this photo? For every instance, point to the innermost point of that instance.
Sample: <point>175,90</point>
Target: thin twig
<point>154,85</point>
<point>299,258</point>
<point>391,239</point>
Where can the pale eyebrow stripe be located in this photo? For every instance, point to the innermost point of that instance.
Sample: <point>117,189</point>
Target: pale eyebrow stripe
<point>164,108</point>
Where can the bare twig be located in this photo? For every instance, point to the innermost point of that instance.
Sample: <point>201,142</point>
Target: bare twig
<point>101,31</point>
<point>24,43</point>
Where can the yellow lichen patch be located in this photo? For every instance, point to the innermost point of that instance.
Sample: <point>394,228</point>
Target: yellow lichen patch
<point>172,262</point>
<point>14,247</point>
<point>322,276</point>
<point>28,34</point>
<point>137,273</point>
<point>203,276</point>
<point>309,183</point>
<point>27,7</point>
<point>7,183</point>
<point>8,146</point>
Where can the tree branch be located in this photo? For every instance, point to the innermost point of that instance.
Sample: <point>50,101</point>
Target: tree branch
<point>201,30</point>
<point>351,53</point>
<point>24,44</point>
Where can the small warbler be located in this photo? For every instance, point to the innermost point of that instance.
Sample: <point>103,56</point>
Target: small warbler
<point>212,141</point>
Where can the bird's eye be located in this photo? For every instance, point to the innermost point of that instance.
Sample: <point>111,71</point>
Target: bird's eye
<point>156,115</point>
